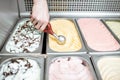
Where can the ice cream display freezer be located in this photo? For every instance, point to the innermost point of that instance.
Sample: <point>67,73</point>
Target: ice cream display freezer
<point>91,50</point>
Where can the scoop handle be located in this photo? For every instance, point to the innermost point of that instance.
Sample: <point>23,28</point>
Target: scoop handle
<point>48,29</point>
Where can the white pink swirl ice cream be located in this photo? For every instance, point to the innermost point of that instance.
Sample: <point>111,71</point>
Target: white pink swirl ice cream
<point>69,68</point>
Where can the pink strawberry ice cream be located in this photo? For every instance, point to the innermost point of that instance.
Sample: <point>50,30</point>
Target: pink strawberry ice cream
<point>97,35</point>
<point>69,68</point>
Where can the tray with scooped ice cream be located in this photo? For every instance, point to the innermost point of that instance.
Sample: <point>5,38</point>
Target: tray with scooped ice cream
<point>21,67</point>
<point>69,67</point>
<point>97,37</point>
<point>107,67</point>
<point>72,40</point>
<point>24,38</point>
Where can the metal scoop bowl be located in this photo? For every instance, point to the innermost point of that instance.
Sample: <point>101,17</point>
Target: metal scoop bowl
<point>59,38</point>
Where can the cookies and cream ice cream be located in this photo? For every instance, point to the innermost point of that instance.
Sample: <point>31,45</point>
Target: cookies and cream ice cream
<point>66,28</point>
<point>20,69</point>
<point>24,39</point>
<point>69,68</point>
<point>97,35</point>
<point>109,68</point>
<point>115,27</point>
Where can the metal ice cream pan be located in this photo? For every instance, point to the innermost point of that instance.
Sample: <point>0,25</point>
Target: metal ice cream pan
<point>92,51</point>
<point>38,59</point>
<point>82,50</point>
<point>96,58</point>
<point>36,44</point>
<point>84,57</point>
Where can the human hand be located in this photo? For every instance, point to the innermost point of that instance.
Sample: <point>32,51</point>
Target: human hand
<point>40,15</point>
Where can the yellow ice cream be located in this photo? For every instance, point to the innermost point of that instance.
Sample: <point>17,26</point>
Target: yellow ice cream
<point>109,68</point>
<point>115,27</point>
<point>66,28</point>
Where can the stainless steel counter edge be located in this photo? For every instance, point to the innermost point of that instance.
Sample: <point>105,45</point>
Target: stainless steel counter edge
<point>76,14</point>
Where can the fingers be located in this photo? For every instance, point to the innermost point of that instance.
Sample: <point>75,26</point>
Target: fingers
<point>43,26</point>
<point>32,19</point>
<point>40,25</point>
<point>35,22</point>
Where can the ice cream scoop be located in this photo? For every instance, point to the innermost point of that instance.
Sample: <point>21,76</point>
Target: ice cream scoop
<point>59,38</point>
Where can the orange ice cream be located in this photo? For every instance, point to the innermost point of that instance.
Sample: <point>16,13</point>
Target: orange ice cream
<point>66,28</point>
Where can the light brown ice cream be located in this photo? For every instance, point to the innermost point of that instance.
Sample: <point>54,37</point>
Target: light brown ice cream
<point>66,28</point>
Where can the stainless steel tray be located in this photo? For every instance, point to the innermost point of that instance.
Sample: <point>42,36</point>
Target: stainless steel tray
<point>96,58</point>
<point>38,50</point>
<point>81,51</point>
<point>90,50</point>
<point>84,57</point>
<point>39,59</point>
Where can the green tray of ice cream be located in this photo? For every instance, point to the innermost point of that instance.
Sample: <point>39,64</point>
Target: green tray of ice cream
<point>97,37</point>
<point>24,38</point>
<point>67,28</point>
